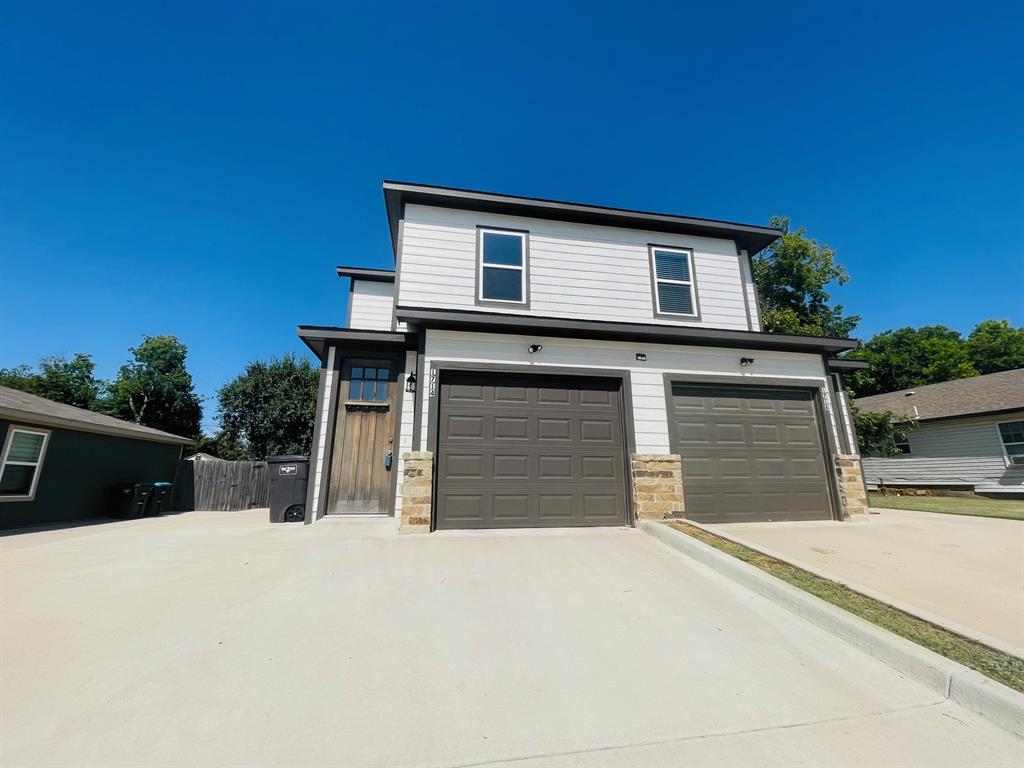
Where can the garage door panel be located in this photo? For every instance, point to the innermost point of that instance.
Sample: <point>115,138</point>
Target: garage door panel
<point>510,507</point>
<point>466,427</point>
<point>467,393</point>
<point>511,467</point>
<point>598,431</point>
<point>509,427</point>
<point>550,452</point>
<point>463,466</point>
<point>510,395</point>
<point>554,467</point>
<point>765,435</point>
<point>553,396</point>
<point>600,467</point>
<point>749,454</point>
<point>463,507</point>
<point>556,507</point>
<point>554,429</point>
<point>601,506</point>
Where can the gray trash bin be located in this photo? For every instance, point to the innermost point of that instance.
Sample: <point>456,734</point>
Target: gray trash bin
<point>289,476</point>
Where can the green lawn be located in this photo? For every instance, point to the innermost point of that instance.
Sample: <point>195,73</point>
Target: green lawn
<point>1011,509</point>
<point>1008,670</point>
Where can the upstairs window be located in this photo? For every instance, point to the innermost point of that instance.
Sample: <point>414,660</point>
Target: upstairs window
<point>675,294</point>
<point>1012,433</point>
<point>502,268</point>
<point>902,446</point>
<point>369,385</point>
<point>21,463</point>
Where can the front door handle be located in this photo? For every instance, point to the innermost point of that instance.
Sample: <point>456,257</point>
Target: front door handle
<point>388,458</point>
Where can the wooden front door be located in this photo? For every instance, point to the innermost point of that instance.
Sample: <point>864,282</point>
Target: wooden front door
<point>363,436</point>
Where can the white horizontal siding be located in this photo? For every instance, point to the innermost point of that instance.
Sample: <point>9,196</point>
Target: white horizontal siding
<point>985,473</point>
<point>968,437</point>
<point>372,305</point>
<point>957,452</point>
<point>650,417</point>
<point>577,271</point>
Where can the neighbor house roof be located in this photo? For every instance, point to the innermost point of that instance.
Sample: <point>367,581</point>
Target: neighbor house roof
<point>19,406</point>
<point>397,194</point>
<point>993,393</point>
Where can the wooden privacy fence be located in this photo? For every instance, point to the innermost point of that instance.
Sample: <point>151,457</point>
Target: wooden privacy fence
<point>222,485</point>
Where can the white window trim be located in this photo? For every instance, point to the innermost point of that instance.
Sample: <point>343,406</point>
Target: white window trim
<point>1002,443</point>
<point>481,264</point>
<point>37,464</point>
<point>688,283</point>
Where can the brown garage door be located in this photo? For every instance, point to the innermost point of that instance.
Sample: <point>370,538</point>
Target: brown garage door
<point>749,454</point>
<point>529,451</point>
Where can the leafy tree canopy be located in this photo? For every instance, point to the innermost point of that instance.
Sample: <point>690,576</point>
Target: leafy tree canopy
<point>792,276</point>
<point>155,389</point>
<point>267,410</point>
<point>878,433</point>
<point>910,357</point>
<point>66,381</point>
<point>995,345</point>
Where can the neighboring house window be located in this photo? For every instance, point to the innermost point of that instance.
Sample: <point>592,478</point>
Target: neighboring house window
<point>21,463</point>
<point>1012,433</point>
<point>674,291</point>
<point>903,446</point>
<point>502,276</point>
<point>369,384</point>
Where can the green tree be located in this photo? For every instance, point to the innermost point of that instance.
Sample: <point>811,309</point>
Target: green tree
<point>267,410</point>
<point>995,345</point>
<point>878,433</point>
<point>792,276</point>
<point>65,381</point>
<point>910,357</point>
<point>155,389</point>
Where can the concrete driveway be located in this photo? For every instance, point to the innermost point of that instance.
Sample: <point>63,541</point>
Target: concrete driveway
<point>964,572</point>
<point>216,639</point>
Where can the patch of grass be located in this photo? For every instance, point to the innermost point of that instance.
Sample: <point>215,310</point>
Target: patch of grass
<point>1006,669</point>
<point>1009,509</point>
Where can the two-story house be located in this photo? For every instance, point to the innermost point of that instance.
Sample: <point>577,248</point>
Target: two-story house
<point>534,363</point>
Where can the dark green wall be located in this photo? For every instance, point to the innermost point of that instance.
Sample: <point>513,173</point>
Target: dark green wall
<point>78,471</point>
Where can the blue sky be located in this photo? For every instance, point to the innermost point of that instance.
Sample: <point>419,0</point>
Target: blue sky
<point>199,171</point>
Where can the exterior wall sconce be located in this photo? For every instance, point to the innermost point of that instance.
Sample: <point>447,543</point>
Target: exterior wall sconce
<point>641,356</point>
<point>745,361</point>
<point>535,348</point>
<point>410,383</point>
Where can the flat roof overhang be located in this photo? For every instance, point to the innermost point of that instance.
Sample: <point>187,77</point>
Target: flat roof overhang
<point>319,337</point>
<point>842,365</point>
<point>361,273</point>
<point>397,194</point>
<point>594,329</point>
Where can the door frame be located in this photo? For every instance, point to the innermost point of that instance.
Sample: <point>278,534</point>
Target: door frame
<point>397,359</point>
<point>813,386</point>
<point>432,393</point>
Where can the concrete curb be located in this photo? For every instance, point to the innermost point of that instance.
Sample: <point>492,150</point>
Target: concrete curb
<point>998,704</point>
<point>931,618</point>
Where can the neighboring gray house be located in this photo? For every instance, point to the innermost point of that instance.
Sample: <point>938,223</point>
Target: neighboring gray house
<point>531,363</point>
<point>60,463</point>
<point>970,435</point>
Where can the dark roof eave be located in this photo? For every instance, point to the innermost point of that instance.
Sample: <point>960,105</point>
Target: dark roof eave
<point>360,273</point>
<point>666,334</point>
<point>847,365</point>
<point>318,337</point>
<point>26,416</point>
<point>397,194</point>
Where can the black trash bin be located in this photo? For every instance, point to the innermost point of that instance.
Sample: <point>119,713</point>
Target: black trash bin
<point>289,476</point>
<point>160,499</point>
<point>129,500</point>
